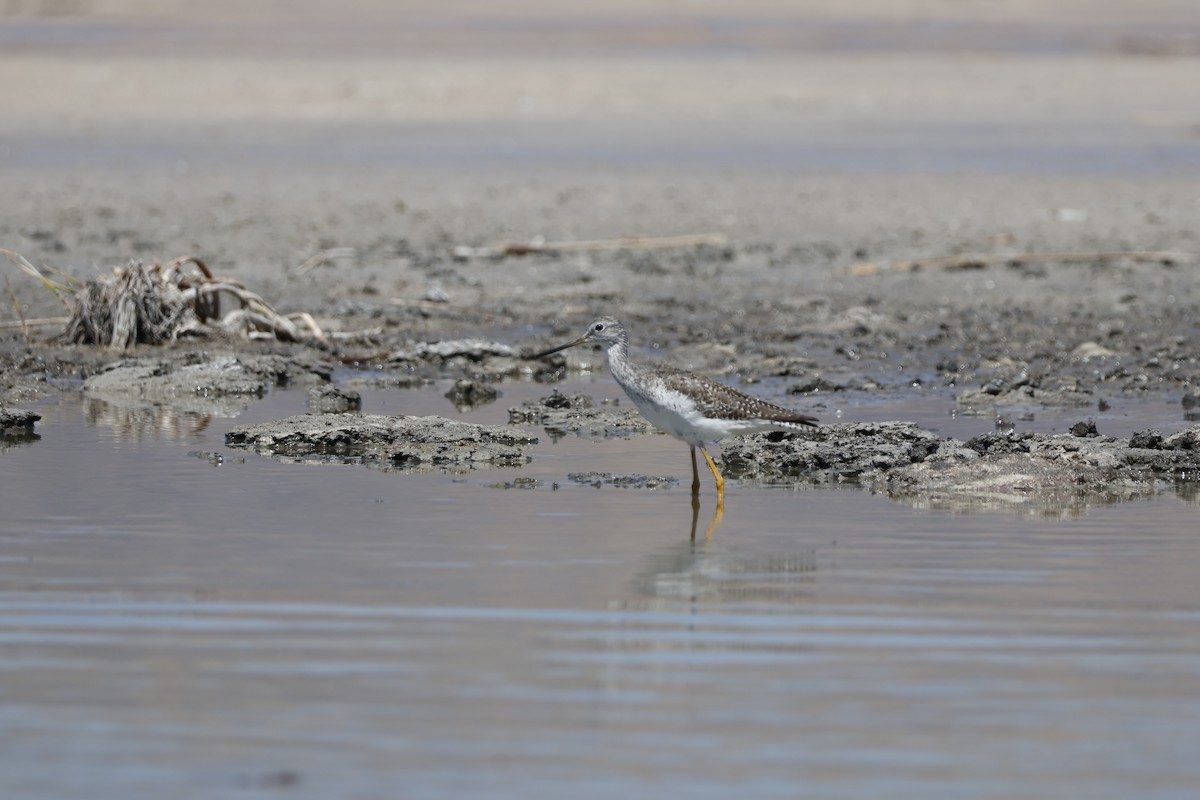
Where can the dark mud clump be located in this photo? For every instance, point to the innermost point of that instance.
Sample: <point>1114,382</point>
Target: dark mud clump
<point>467,394</point>
<point>833,452</point>
<point>16,425</point>
<point>1191,404</point>
<point>403,443</point>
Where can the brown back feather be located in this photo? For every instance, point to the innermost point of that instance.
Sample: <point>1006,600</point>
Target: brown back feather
<point>715,399</point>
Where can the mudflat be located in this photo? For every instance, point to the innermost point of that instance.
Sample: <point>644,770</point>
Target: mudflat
<point>963,235</point>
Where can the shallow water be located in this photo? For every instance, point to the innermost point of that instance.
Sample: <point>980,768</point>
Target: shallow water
<point>178,622</point>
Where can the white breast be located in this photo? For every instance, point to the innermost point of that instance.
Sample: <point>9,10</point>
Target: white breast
<point>674,413</point>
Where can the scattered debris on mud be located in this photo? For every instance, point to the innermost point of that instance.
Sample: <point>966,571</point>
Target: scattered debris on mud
<point>519,483</point>
<point>394,443</point>
<point>598,479</point>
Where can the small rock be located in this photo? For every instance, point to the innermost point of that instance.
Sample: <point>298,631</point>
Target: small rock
<point>467,394</point>
<point>995,386</point>
<point>435,294</point>
<point>1084,429</point>
<point>999,443</point>
<point>1147,440</point>
<point>1090,350</point>
<point>559,400</point>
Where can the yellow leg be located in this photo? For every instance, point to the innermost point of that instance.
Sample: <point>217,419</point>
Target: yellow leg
<point>717,475</point>
<point>695,475</point>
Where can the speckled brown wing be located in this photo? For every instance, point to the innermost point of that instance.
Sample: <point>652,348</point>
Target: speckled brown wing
<point>715,399</point>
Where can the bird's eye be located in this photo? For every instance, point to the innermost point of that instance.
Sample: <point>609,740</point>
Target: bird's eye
<point>598,327</point>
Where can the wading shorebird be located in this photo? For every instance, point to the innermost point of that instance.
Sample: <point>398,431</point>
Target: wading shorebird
<point>689,406</point>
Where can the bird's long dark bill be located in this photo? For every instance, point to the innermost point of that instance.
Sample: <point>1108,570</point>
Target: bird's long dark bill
<point>552,351</point>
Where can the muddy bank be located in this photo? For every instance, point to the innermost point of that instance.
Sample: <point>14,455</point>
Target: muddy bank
<point>1047,473</point>
<point>1021,471</point>
<point>393,443</point>
<point>16,426</point>
<point>1052,474</point>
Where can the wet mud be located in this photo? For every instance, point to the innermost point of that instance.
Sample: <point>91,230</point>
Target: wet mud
<point>16,425</point>
<point>1051,474</point>
<point>388,442</point>
<point>998,469</point>
<point>578,414</point>
<point>1005,341</point>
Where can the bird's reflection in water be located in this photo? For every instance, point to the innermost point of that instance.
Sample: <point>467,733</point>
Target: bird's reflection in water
<point>698,571</point>
<point>718,515</point>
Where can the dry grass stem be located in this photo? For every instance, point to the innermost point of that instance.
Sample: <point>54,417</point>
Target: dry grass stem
<point>17,305</point>
<point>1169,258</point>
<point>29,269</point>
<point>36,322</point>
<point>535,246</point>
<point>325,257</point>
